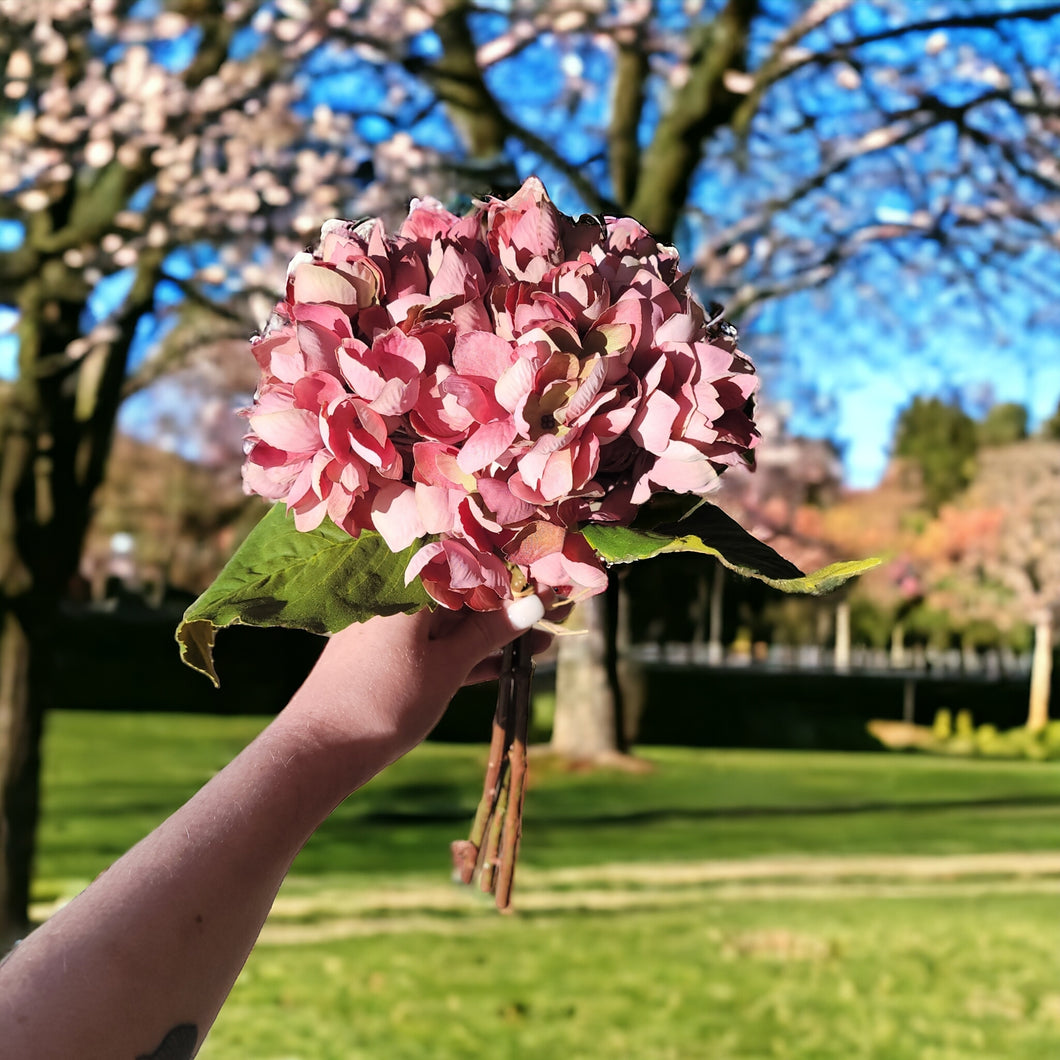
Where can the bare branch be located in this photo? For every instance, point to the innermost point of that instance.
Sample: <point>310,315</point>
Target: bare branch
<point>784,60</point>
<point>699,109</point>
<point>627,104</point>
<point>458,82</point>
<point>778,61</point>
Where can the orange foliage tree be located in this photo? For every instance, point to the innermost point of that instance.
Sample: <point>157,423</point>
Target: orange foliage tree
<point>994,553</point>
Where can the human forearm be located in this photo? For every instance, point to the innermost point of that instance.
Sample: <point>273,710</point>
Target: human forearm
<point>148,953</point>
<point>159,939</point>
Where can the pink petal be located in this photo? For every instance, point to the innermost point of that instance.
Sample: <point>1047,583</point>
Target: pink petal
<point>486,444</point>
<point>678,328</point>
<point>396,515</point>
<point>436,465</point>
<point>515,385</point>
<point>586,392</point>
<point>471,396</point>
<point>396,397</point>
<point>499,499</point>
<point>364,382</point>
<point>534,542</point>
<point>309,517</point>
<point>684,474</point>
<point>557,480</point>
<point>576,571</point>
<point>313,282</point>
<point>293,430</point>
<point>437,507</point>
<point>457,274</point>
<point>654,421</point>
<point>427,218</point>
<point>482,353</point>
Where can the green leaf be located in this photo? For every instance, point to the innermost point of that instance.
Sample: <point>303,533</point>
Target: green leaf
<point>319,580</point>
<point>709,530</point>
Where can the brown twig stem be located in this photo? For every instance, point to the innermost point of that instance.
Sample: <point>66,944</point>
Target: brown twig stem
<point>491,851</point>
<point>522,674</point>
<point>492,846</point>
<point>466,852</point>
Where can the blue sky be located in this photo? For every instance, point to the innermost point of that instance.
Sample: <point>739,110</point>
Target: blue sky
<point>955,362</point>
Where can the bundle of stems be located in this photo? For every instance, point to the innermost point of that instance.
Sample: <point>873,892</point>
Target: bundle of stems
<point>492,847</point>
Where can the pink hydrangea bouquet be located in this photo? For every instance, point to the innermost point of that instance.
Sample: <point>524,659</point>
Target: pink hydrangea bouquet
<point>475,408</point>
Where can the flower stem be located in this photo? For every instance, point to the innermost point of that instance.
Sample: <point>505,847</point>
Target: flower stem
<point>466,852</point>
<point>487,880</point>
<point>522,675</point>
<point>492,847</point>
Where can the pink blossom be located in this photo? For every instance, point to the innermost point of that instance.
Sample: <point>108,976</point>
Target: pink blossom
<point>387,373</point>
<point>526,231</point>
<point>495,382</point>
<point>457,576</point>
<point>574,571</point>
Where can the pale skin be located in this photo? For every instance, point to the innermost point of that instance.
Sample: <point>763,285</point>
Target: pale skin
<point>139,964</point>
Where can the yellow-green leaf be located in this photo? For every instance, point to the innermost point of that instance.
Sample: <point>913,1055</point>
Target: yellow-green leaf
<point>711,531</point>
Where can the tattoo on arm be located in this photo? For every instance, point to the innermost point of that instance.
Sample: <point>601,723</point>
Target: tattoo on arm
<point>178,1044</point>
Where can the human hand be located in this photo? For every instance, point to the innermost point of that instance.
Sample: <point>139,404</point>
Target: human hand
<point>390,679</point>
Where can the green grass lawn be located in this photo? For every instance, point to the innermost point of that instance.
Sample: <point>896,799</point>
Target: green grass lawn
<point>373,954</point>
<point>906,979</point>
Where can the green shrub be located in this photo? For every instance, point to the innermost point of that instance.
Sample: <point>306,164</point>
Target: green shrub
<point>988,740</point>
<point>1050,737</point>
<point>961,737</point>
<point>942,728</point>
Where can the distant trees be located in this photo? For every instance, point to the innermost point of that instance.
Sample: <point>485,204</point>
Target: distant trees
<point>164,523</point>
<point>976,536</point>
<point>968,518</point>
<point>939,439</point>
<point>1004,424</point>
<point>1051,427</point>
<point>996,553</point>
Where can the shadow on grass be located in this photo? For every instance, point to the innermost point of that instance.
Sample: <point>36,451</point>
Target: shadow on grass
<point>439,815</point>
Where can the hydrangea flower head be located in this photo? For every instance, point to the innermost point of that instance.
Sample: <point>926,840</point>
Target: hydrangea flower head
<point>487,385</point>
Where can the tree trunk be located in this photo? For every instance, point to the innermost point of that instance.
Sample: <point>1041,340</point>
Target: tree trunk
<point>22,610</point>
<point>842,635</point>
<point>715,651</point>
<point>55,434</point>
<point>626,674</point>
<point>898,655</point>
<point>1041,674</point>
<point>584,726</point>
<point>700,608</point>
<point>21,719</point>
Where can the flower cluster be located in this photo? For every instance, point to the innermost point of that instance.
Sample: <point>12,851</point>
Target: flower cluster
<point>491,384</point>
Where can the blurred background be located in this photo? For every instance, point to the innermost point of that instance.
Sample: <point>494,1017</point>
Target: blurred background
<point>869,189</point>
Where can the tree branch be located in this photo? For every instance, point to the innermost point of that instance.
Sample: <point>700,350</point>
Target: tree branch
<point>457,80</point>
<point>699,109</point>
<point>627,103</point>
<point>777,63</point>
<point>903,127</point>
<point>784,62</point>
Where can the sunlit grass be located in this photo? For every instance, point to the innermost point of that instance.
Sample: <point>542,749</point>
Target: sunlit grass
<point>109,778</point>
<point>906,979</point>
<point>393,962</point>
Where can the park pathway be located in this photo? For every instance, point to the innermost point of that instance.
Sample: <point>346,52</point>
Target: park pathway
<point>425,905</point>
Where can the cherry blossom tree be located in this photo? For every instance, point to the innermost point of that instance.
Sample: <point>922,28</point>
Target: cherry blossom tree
<point>134,138</point>
<point>166,154</point>
<point>994,554</point>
